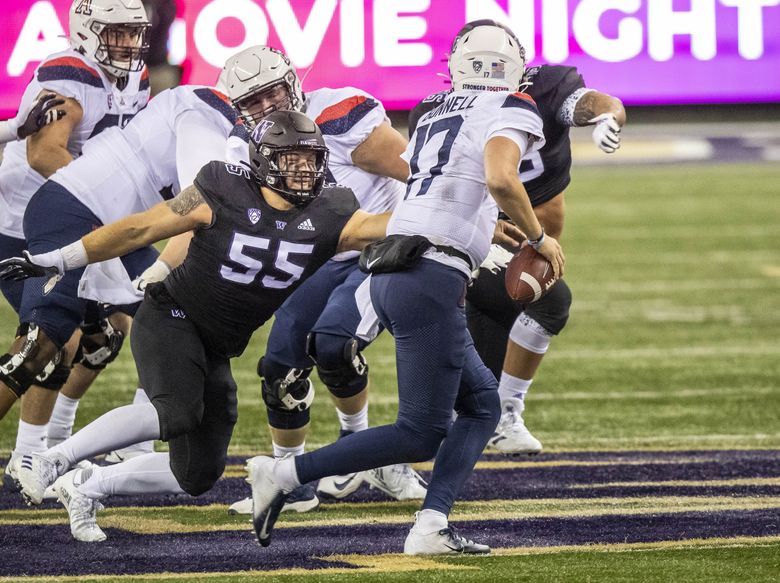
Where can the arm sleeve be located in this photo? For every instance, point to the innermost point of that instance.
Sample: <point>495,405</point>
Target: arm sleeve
<point>197,143</point>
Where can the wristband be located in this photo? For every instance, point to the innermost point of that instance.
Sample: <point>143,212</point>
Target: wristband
<point>537,243</point>
<point>74,256</point>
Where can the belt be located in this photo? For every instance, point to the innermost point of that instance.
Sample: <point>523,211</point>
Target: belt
<point>452,252</point>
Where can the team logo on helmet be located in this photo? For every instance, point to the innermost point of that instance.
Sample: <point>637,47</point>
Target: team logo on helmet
<point>477,66</point>
<point>260,130</point>
<point>254,215</point>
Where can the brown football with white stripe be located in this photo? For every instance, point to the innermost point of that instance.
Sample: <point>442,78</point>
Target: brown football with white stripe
<point>528,276</point>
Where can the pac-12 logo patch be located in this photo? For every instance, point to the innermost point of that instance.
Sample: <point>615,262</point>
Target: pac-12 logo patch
<point>260,130</point>
<point>254,215</point>
<point>477,66</point>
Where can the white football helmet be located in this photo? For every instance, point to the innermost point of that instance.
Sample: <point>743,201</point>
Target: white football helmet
<point>113,33</point>
<point>486,56</point>
<point>257,70</point>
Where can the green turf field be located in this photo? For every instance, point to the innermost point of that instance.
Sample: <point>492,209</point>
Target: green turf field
<point>673,344</point>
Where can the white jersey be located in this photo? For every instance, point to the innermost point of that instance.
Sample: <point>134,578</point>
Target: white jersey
<point>447,199</point>
<point>346,117</point>
<point>123,172</point>
<point>69,74</point>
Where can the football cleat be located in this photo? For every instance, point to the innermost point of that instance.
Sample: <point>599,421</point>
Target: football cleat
<point>10,474</point>
<point>339,487</point>
<point>302,499</point>
<point>267,497</point>
<point>36,472</point>
<point>82,510</point>
<point>399,481</point>
<point>446,541</point>
<point>511,435</point>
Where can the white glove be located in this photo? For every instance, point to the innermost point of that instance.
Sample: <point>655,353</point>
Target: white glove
<point>157,271</point>
<point>606,134</point>
<point>497,259</point>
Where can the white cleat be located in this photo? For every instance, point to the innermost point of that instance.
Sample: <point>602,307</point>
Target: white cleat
<point>11,473</point>
<point>241,507</point>
<point>267,497</point>
<point>511,435</point>
<point>339,487</point>
<point>446,541</point>
<point>399,481</point>
<point>82,509</point>
<point>36,472</point>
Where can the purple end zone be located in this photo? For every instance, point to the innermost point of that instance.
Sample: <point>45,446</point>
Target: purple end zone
<point>50,551</point>
<point>545,481</point>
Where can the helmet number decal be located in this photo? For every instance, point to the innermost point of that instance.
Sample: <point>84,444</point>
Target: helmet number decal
<point>84,7</point>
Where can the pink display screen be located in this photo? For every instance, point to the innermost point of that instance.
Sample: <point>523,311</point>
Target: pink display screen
<point>643,51</point>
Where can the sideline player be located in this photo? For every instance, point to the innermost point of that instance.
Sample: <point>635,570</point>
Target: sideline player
<point>99,82</point>
<point>120,172</point>
<point>365,156</point>
<point>247,255</point>
<point>463,159</point>
<point>508,335</point>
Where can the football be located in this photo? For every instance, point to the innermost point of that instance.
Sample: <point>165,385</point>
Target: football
<point>528,276</point>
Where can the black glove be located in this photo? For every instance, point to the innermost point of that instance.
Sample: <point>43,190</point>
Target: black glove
<point>42,113</point>
<point>19,268</point>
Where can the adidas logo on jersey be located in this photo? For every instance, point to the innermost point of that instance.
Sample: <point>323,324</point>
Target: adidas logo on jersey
<point>306,226</point>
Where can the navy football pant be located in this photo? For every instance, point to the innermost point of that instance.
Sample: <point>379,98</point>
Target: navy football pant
<point>12,290</point>
<point>55,218</point>
<point>324,303</point>
<point>438,371</point>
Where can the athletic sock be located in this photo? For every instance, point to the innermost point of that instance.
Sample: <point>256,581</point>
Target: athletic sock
<point>281,451</point>
<point>30,438</point>
<point>145,446</point>
<point>429,521</point>
<point>146,474</point>
<point>118,428</point>
<point>355,422</point>
<point>62,418</point>
<point>510,387</point>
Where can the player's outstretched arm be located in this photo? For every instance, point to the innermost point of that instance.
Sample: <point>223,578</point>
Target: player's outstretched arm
<point>502,158</point>
<point>607,113</point>
<point>184,213</point>
<point>361,229</point>
<point>380,153</point>
<point>47,150</point>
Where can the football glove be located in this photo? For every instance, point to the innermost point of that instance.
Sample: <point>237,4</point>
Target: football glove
<point>42,113</point>
<point>606,134</point>
<point>157,271</point>
<point>497,259</point>
<point>49,265</point>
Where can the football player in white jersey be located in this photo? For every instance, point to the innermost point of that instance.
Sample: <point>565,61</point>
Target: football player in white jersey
<point>120,172</point>
<point>99,82</point>
<point>463,159</point>
<point>365,155</point>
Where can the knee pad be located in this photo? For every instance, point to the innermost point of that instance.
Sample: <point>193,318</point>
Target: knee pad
<point>54,376</point>
<point>12,372</point>
<point>287,393</point>
<point>340,364</point>
<point>96,354</point>
<point>552,311</point>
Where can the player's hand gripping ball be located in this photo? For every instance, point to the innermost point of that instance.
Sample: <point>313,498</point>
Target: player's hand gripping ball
<point>528,276</point>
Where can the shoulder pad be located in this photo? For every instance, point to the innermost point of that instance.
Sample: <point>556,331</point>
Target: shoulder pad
<point>217,101</point>
<point>340,117</point>
<point>339,200</point>
<point>69,68</point>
